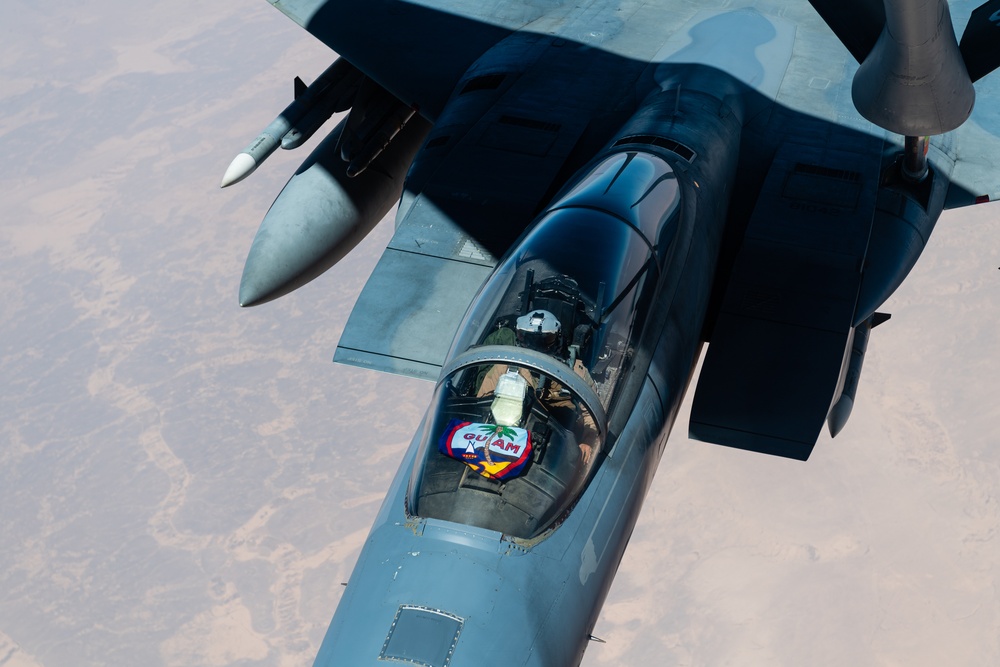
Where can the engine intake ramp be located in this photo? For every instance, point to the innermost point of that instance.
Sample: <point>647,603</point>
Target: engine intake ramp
<point>776,353</point>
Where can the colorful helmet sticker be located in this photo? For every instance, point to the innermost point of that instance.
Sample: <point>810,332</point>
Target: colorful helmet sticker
<point>493,450</point>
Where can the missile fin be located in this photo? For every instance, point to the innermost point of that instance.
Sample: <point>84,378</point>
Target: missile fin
<point>979,45</point>
<point>346,91</point>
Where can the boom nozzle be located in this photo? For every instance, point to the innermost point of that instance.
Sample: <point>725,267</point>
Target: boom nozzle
<point>914,81</point>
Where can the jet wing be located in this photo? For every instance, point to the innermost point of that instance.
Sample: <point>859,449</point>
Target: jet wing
<point>417,51</point>
<point>976,176</point>
<point>858,24</point>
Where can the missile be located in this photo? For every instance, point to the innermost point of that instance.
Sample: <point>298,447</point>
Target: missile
<point>841,410</point>
<point>331,92</point>
<point>322,213</point>
<point>304,129</point>
<point>335,102</point>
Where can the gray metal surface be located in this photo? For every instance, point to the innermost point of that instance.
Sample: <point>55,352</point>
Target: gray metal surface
<point>405,317</point>
<point>773,365</point>
<point>914,81</point>
<point>322,214</point>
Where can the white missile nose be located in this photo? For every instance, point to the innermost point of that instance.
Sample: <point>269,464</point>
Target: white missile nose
<point>241,167</point>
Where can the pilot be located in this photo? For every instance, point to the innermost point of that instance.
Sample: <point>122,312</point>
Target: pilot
<point>541,331</point>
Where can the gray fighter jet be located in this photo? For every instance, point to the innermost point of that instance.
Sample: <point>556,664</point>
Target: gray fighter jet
<point>589,192</point>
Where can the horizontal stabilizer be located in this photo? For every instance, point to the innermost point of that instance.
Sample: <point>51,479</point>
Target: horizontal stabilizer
<point>980,43</point>
<point>856,23</point>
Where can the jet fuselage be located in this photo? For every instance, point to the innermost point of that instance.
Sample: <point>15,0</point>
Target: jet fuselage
<point>439,592</point>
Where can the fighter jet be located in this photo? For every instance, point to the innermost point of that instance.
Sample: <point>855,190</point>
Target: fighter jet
<point>589,193</point>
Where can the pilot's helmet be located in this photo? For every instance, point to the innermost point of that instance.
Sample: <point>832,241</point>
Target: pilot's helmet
<point>539,330</point>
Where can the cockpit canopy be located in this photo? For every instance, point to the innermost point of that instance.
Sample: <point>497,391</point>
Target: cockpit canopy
<point>518,422</point>
<point>509,448</point>
<point>585,269</point>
